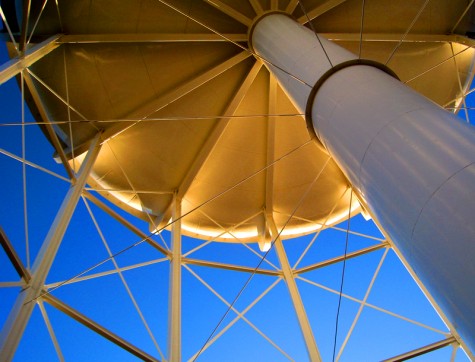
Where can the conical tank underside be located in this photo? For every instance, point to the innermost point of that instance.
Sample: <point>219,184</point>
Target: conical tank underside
<point>186,110</point>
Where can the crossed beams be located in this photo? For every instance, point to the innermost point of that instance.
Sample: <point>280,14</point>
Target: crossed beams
<point>49,298</point>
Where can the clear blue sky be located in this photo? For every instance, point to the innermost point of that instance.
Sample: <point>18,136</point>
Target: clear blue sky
<point>105,300</point>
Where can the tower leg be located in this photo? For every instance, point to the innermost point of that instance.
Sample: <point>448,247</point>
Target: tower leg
<point>20,314</point>
<point>289,278</point>
<point>174,308</point>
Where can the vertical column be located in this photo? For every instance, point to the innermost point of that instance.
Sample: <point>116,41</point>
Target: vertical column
<point>289,278</point>
<point>20,314</point>
<point>411,162</point>
<point>174,308</point>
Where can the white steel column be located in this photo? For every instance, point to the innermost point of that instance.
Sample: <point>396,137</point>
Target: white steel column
<point>289,278</point>
<point>174,296</point>
<point>411,162</point>
<point>21,311</point>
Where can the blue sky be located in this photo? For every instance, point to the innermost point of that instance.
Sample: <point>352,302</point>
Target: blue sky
<point>377,335</point>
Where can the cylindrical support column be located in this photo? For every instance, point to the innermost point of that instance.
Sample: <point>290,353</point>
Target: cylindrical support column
<point>23,307</point>
<point>174,296</point>
<point>411,162</point>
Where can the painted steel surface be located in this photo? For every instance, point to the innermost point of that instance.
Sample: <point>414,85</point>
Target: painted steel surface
<point>412,163</point>
<point>182,108</point>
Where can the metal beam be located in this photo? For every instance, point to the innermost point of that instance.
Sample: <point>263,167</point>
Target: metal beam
<point>218,131</point>
<point>339,259</point>
<point>149,38</point>
<point>214,137</point>
<point>13,256</point>
<point>362,305</point>
<point>10,36</point>
<point>396,38</point>
<point>211,37</point>
<point>289,278</point>
<point>423,350</point>
<point>126,286</point>
<point>174,296</point>
<point>162,101</point>
<point>239,315</point>
<point>270,154</point>
<point>17,64</point>
<point>48,126</point>
<point>19,316</point>
<point>89,323</point>
<point>319,10</point>
<point>52,335</point>
<point>239,268</point>
<point>33,165</point>
<point>292,6</point>
<point>57,284</point>
<point>372,306</point>
<point>228,10</point>
<point>256,5</point>
<point>462,16</point>
<point>100,204</point>
<point>180,91</point>
<point>20,283</point>
<point>24,25</point>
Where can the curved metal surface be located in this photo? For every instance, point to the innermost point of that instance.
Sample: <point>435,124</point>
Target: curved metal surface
<point>184,110</point>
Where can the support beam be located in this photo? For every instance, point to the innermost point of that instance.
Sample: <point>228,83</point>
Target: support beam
<point>256,5</point>
<point>291,6</point>
<point>411,163</point>
<point>469,6</point>
<point>239,268</point>
<point>289,278</point>
<point>13,256</point>
<point>162,101</point>
<point>180,91</point>
<point>23,307</point>
<point>319,10</point>
<point>228,10</point>
<point>339,259</point>
<point>239,316</point>
<point>362,305</point>
<point>104,332</point>
<point>270,152</point>
<point>214,137</point>
<point>32,55</point>
<point>150,38</point>
<point>265,241</point>
<point>396,38</point>
<point>10,36</point>
<point>211,37</point>
<point>104,273</point>
<point>52,335</point>
<point>48,126</point>
<point>218,130</point>
<point>25,23</point>
<point>33,165</point>
<point>423,350</point>
<point>174,296</point>
<point>124,222</point>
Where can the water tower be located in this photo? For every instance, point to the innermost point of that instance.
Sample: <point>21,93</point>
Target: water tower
<point>243,124</point>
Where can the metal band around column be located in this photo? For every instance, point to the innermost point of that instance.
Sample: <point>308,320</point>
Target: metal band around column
<point>326,76</point>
